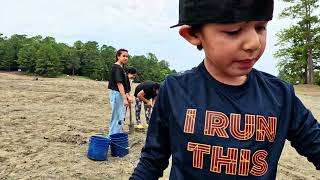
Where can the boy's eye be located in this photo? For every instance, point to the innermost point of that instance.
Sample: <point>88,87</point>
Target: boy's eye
<point>260,28</point>
<point>231,33</point>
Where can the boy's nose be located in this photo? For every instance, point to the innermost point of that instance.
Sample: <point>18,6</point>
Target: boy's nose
<point>252,41</point>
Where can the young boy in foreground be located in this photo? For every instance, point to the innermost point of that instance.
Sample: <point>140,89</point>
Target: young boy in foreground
<point>224,119</point>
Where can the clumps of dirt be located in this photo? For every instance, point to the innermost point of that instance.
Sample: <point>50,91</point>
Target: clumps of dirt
<point>69,139</point>
<point>3,159</point>
<point>91,98</point>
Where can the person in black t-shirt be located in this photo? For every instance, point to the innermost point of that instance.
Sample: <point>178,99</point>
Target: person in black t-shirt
<point>119,92</point>
<point>145,92</point>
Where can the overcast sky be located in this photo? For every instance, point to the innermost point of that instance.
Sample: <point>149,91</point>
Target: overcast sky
<point>141,26</point>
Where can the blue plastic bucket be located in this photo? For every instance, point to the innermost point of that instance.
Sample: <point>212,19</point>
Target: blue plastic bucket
<point>119,144</point>
<point>98,148</point>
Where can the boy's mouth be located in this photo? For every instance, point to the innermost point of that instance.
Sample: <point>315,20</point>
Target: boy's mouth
<point>246,63</point>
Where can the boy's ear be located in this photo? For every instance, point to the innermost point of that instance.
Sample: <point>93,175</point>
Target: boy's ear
<point>187,34</point>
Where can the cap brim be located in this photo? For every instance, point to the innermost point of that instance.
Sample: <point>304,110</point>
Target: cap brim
<point>176,25</point>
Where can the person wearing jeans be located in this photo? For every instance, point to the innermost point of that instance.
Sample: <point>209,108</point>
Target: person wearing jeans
<point>119,92</point>
<point>118,112</point>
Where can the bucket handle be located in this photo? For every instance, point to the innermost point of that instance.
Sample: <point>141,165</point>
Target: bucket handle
<point>120,146</point>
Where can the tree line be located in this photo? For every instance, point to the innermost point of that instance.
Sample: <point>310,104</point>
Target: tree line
<point>298,52</point>
<point>46,57</point>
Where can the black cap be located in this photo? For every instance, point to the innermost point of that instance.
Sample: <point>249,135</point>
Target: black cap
<point>197,12</point>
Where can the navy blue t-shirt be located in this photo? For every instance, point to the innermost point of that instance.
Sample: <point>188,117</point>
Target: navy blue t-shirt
<point>217,131</point>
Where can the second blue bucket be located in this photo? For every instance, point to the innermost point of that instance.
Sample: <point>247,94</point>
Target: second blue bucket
<point>119,144</point>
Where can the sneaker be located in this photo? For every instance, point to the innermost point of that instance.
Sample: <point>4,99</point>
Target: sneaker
<point>139,126</point>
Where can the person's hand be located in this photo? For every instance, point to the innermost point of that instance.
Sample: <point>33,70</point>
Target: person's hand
<point>126,102</point>
<point>130,99</point>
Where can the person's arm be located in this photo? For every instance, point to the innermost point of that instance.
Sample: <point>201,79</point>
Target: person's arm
<point>141,95</point>
<point>154,101</point>
<point>123,94</point>
<point>156,153</point>
<point>304,132</point>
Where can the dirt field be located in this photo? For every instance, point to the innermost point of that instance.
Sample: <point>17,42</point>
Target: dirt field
<point>45,125</point>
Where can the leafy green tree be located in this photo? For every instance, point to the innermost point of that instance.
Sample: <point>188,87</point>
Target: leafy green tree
<point>78,46</point>
<point>7,57</point>
<point>9,50</point>
<point>47,62</point>
<point>107,58</point>
<point>90,54</point>
<point>1,49</point>
<point>3,53</point>
<point>150,68</point>
<point>100,70</point>
<point>27,58</point>
<point>27,54</point>
<point>299,52</point>
<point>72,61</point>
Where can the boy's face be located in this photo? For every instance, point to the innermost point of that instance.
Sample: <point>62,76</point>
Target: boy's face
<point>132,76</point>
<point>123,58</point>
<point>232,49</point>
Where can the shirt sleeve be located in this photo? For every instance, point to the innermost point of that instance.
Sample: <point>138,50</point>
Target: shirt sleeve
<point>304,132</point>
<point>155,154</point>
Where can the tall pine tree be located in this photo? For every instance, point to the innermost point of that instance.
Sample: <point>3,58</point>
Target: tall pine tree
<point>299,48</point>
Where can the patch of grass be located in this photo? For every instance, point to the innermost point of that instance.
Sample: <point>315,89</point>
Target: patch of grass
<point>84,78</point>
